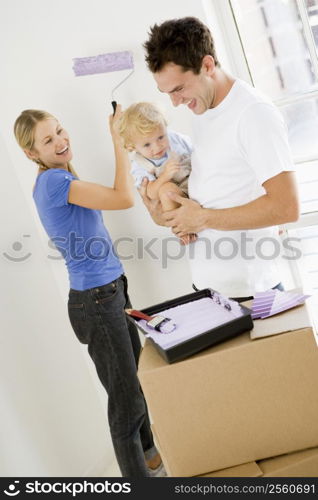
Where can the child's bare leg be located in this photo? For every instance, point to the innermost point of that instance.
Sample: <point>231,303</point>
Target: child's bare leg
<point>166,201</point>
<point>169,204</point>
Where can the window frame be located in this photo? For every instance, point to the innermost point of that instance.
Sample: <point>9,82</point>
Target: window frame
<point>239,66</point>
<point>238,62</point>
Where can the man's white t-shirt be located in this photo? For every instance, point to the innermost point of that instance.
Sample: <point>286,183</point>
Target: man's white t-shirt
<point>237,146</point>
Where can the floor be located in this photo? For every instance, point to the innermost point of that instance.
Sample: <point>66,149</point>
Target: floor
<point>112,470</point>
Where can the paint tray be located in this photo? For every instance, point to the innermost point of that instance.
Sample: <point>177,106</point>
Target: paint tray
<point>202,318</point>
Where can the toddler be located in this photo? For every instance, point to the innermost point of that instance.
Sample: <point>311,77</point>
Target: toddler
<point>161,155</point>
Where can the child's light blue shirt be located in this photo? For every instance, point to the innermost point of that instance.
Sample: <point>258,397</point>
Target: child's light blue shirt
<point>179,143</point>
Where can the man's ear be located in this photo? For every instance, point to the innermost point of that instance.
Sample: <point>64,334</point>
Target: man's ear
<point>208,65</point>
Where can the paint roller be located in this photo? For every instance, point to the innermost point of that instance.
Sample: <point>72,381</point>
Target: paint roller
<point>105,63</point>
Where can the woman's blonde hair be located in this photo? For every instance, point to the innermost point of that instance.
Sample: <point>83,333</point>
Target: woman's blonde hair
<point>24,131</point>
<point>139,119</point>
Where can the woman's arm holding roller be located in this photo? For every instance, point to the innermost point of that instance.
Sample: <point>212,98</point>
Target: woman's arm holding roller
<point>99,197</point>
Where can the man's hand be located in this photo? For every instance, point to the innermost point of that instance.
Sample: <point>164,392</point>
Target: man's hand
<point>154,207</point>
<point>188,218</point>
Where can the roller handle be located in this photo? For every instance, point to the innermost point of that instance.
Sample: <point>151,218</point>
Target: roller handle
<point>138,314</point>
<point>114,104</point>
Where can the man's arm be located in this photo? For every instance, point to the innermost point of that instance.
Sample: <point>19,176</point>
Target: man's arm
<point>279,205</point>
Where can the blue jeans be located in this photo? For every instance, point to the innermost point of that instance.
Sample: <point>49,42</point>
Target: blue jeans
<point>98,320</point>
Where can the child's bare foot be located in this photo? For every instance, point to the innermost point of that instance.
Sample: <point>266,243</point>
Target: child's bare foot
<point>188,238</point>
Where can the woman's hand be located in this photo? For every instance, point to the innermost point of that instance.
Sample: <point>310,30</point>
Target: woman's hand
<point>154,207</point>
<point>114,121</point>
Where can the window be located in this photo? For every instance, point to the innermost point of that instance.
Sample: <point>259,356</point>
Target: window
<point>278,42</point>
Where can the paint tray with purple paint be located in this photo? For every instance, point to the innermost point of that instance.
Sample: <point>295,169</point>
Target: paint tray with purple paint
<point>201,319</point>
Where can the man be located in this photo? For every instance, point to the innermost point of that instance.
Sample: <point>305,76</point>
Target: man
<point>242,184</point>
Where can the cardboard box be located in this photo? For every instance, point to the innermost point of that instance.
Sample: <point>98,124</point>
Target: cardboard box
<point>302,463</point>
<point>299,464</point>
<point>245,470</point>
<point>250,469</point>
<point>237,402</point>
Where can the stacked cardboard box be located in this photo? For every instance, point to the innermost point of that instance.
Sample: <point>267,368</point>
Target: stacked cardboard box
<point>302,463</point>
<point>240,402</point>
<point>298,464</point>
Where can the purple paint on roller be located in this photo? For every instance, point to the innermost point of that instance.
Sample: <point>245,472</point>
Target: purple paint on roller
<point>103,63</point>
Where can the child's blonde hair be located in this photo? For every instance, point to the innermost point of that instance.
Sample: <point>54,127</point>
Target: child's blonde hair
<point>139,119</point>
<point>24,131</point>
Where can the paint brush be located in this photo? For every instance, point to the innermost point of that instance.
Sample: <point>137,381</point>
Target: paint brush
<point>105,63</point>
<point>158,323</point>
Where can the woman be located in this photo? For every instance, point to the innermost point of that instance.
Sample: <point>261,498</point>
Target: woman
<point>69,210</point>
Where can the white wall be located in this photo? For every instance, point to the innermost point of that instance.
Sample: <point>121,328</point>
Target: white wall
<point>54,420</point>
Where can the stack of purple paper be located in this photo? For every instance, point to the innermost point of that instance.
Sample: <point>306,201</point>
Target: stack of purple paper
<point>272,302</point>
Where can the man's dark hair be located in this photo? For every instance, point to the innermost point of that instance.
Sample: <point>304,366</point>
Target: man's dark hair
<point>183,41</point>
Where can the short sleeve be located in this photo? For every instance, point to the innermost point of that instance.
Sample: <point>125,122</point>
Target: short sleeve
<point>139,173</point>
<point>264,141</point>
<point>58,186</point>
<point>180,143</point>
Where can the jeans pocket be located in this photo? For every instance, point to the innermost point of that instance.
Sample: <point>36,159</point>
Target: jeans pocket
<point>107,292</point>
<point>125,283</point>
<point>77,315</point>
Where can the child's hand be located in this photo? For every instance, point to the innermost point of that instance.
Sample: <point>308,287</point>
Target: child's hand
<point>114,123</point>
<point>171,167</point>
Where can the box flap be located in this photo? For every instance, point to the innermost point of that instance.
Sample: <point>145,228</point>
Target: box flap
<point>293,319</point>
<point>296,318</point>
<point>251,469</point>
<point>300,463</point>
